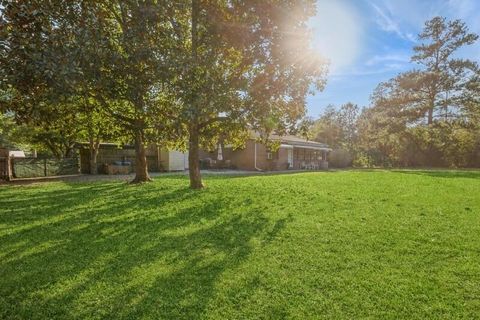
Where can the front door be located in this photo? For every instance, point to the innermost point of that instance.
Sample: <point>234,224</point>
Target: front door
<point>290,158</point>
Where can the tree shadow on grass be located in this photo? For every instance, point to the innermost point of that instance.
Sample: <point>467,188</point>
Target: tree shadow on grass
<point>119,251</point>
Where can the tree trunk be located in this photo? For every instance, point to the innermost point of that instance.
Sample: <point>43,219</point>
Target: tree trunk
<point>93,156</point>
<point>430,116</point>
<point>194,160</point>
<point>193,142</point>
<point>141,169</point>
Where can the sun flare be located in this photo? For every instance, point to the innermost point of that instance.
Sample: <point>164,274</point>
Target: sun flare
<point>337,33</point>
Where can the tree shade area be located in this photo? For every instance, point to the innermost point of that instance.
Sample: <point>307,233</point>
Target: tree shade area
<point>350,244</point>
<point>181,73</point>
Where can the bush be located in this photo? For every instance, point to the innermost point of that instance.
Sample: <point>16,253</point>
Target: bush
<point>340,158</point>
<point>362,160</point>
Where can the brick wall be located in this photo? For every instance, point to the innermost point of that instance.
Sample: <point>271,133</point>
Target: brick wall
<point>244,159</point>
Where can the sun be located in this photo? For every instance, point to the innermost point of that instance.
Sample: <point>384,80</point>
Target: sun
<point>337,33</point>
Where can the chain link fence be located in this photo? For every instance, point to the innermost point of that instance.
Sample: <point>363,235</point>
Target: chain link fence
<point>34,167</point>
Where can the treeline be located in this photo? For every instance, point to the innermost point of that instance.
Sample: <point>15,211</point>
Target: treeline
<point>428,116</point>
<point>181,74</point>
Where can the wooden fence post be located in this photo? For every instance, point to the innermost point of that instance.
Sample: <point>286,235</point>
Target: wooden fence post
<point>45,167</point>
<point>9,168</point>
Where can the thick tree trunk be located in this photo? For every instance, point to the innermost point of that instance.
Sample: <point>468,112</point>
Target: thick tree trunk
<point>141,169</point>
<point>93,156</point>
<point>194,160</point>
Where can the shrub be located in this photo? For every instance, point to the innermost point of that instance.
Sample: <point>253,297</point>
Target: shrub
<point>340,158</point>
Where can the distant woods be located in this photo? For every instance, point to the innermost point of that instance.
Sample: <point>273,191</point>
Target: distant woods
<point>427,116</point>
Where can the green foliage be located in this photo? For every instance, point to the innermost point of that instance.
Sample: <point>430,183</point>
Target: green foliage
<point>340,158</point>
<point>428,116</point>
<point>163,70</point>
<point>351,244</point>
<point>337,127</point>
<point>47,70</point>
<point>12,136</point>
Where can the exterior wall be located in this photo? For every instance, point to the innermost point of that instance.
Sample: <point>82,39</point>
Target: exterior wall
<point>244,159</point>
<point>279,159</point>
<point>173,160</point>
<point>163,159</point>
<point>176,161</point>
<point>185,156</point>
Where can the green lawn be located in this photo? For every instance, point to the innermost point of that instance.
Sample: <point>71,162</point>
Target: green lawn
<point>350,244</point>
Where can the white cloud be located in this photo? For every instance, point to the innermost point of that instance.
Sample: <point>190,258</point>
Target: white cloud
<point>406,18</point>
<point>337,33</point>
<point>388,58</point>
<point>386,21</point>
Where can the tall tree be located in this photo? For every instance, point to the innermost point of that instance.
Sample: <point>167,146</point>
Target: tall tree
<point>417,113</point>
<point>249,65</point>
<point>443,77</point>
<point>132,83</point>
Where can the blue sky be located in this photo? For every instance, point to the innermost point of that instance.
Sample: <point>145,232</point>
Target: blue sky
<point>370,41</point>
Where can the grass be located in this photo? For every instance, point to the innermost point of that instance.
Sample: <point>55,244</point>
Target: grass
<point>352,244</point>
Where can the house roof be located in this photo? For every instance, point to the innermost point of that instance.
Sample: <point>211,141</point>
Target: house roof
<point>16,154</point>
<point>105,145</point>
<point>295,141</point>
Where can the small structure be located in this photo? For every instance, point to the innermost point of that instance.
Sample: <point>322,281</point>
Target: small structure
<point>173,160</point>
<point>16,154</point>
<point>115,159</point>
<point>294,153</point>
<point>6,162</point>
<point>5,165</point>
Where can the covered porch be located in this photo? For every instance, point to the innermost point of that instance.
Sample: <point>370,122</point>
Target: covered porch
<point>306,157</point>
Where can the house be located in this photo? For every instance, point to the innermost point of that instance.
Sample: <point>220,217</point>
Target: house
<point>111,155</point>
<point>293,153</point>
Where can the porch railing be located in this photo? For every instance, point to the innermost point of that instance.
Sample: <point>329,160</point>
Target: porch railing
<point>310,164</point>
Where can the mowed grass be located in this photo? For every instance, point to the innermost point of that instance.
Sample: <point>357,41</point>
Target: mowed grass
<point>351,244</point>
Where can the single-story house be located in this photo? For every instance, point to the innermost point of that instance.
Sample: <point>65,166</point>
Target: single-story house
<point>293,153</point>
<point>111,154</point>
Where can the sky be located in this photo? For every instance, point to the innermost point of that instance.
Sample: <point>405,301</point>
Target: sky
<point>370,41</point>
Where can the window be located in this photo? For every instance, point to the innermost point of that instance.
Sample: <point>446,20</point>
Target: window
<point>272,155</point>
